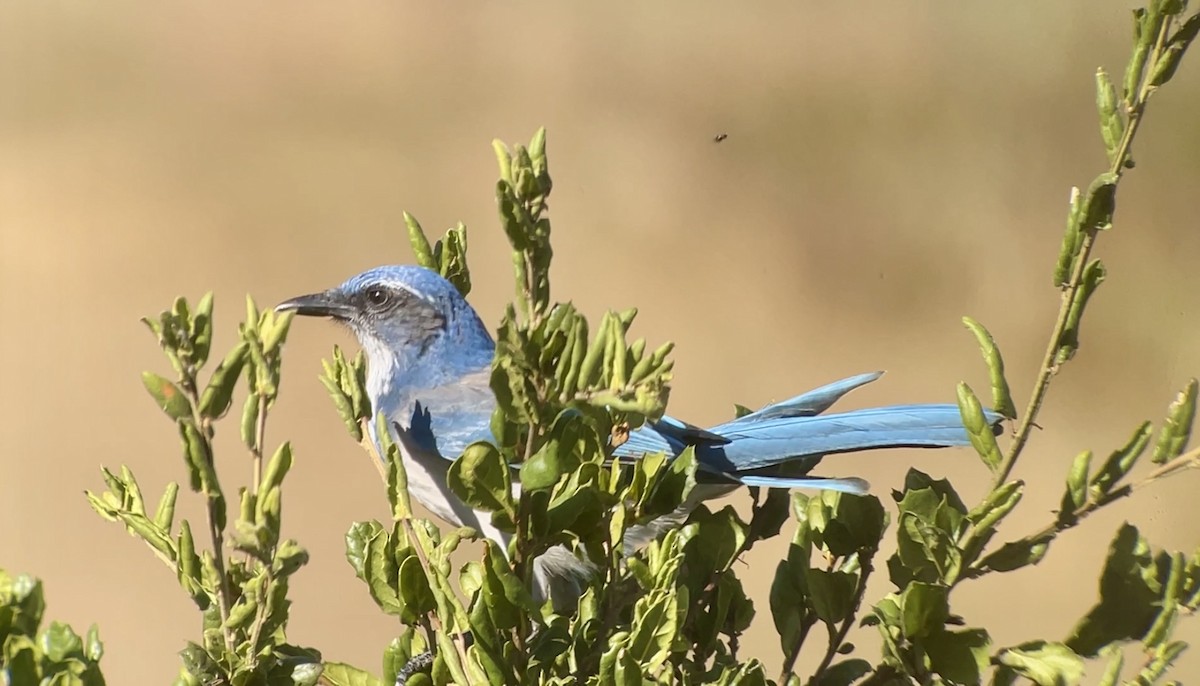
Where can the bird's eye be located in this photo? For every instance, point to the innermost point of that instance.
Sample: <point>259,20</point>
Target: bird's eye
<point>378,297</point>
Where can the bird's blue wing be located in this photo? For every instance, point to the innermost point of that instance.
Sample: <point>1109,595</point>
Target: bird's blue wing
<point>448,418</point>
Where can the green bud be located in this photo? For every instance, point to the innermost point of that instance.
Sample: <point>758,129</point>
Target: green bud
<point>168,396</point>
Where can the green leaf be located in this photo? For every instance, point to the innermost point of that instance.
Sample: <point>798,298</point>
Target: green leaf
<point>1166,65</point>
<point>289,557</point>
<point>1044,663</point>
<point>1016,554</point>
<point>556,457</point>
<point>24,598</point>
<point>1075,495</point>
<point>420,244</point>
<point>1111,125</point>
<point>164,514</point>
<point>1162,659</point>
<point>673,484</point>
<point>168,396</point>
<point>1099,203</point>
<point>962,657</point>
<point>452,255</point>
<point>980,432</point>
<point>188,568</point>
<point>1093,275</point>
<point>93,649</point>
<point>481,478</point>
<point>1177,427</point>
<point>857,524</point>
<point>1129,596</point>
<point>1145,32</point>
<point>59,642</point>
<point>1001,396</point>
<point>1160,630</point>
<point>1112,671</point>
<point>768,517</point>
<point>843,673</point>
<point>196,455</point>
<point>380,572</point>
<point>1122,460</point>
<point>249,425</point>
<point>358,537</point>
<point>998,504</point>
<point>1072,238</point>
<point>916,480</point>
<point>988,514</point>
<point>789,599</point>
<point>218,394</point>
<point>925,608</point>
<point>504,159</point>
<point>832,593</point>
<point>930,522</point>
<point>414,589</point>
<point>274,328</point>
<point>342,674</point>
<point>654,627</point>
<point>277,468</point>
<point>719,539</point>
<point>199,663</point>
<point>144,529</point>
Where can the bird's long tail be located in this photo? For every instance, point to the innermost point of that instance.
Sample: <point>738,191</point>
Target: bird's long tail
<point>757,447</point>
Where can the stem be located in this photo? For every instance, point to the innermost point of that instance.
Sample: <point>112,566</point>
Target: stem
<point>1050,365</point>
<point>260,615</point>
<point>259,440</point>
<point>1187,460</point>
<point>789,660</point>
<point>215,534</point>
<point>219,561</point>
<point>432,621</point>
<point>836,640</point>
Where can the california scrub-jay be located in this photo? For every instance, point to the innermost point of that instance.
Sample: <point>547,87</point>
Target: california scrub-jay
<point>428,352</point>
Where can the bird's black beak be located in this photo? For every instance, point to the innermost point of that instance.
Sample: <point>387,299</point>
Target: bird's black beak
<point>327,304</point>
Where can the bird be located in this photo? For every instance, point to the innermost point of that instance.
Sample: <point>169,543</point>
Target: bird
<point>429,359</point>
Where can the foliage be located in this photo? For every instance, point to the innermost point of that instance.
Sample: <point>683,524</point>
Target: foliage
<point>673,610</point>
<point>242,598</point>
<point>56,655</point>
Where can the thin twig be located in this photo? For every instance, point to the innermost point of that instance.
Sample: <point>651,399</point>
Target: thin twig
<point>1050,365</point>
<point>260,434</point>
<point>1187,460</point>
<point>222,578</point>
<point>435,623</point>
<point>789,659</point>
<point>216,535</point>
<point>835,641</point>
<point>260,438</point>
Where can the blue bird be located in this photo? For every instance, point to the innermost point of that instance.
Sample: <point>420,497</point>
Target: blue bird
<point>429,361</point>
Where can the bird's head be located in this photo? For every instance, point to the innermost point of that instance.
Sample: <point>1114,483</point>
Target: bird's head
<point>408,319</point>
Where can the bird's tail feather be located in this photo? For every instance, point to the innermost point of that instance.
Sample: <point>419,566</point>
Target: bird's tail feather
<point>768,442</point>
<point>807,404</point>
<point>851,484</point>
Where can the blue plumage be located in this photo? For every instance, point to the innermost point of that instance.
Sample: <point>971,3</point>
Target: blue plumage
<point>429,361</point>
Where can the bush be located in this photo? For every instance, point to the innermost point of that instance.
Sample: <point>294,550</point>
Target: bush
<point>673,611</point>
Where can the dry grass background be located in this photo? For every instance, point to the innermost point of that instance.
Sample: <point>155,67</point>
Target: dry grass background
<point>885,172</point>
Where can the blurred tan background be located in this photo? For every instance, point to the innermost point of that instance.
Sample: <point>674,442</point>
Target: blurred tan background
<point>885,172</point>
